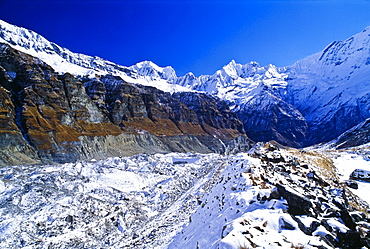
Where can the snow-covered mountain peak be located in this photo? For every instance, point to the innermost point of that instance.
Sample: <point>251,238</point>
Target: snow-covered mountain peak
<point>252,70</point>
<point>22,37</point>
<point>153,71</point>
<point>340,60</point>
<point>189,80</point>
<point>232,69</point>
<point>63,60</point>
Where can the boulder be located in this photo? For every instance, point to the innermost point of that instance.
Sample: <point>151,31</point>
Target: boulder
<point>360,174</point>
<point>352,184</point>
<point>297,203</point>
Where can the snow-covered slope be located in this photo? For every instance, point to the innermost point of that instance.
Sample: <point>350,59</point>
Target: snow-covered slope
<point>340,60</point>
<point>331,88</point>
<point>237,83</point>
<point>63,60</point>
<point>234,80</point>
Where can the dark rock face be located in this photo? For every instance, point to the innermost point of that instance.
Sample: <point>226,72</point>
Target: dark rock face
<point>298,204</point>
<point>60,116</point>
<point>343,119</point>
<point>351,184</point>
<point>360,174</point>
<point>267,117</point>
<point>14,148</point>
<point>214,115</point>
<point>142,109</point>
<point>358,135</point>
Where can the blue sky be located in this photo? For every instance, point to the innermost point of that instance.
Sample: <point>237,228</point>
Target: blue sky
<point>197,36</point>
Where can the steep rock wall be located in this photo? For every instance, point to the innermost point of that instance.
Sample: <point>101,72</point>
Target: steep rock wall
<point>14,149</point>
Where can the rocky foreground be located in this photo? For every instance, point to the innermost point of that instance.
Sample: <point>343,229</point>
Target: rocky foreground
<point>271,197</point>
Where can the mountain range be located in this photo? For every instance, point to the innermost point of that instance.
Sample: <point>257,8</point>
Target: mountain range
<point>312,101</point>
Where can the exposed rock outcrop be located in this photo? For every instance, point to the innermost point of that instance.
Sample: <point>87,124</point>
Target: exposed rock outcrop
<point>14,149</point>
<point>267,117</point>
<point>360,174</point>
<point>298,204</point>
<point>356,136</point>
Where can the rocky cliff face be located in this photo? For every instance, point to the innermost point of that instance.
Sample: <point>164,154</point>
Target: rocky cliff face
<point>14,149</point>
<point>61,117</point>
<point>356,136</point>
<point>53,110</point>
<point>267,117</point>
<point>142,109</point>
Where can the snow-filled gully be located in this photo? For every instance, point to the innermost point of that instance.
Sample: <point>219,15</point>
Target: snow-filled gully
<point>177,215</point>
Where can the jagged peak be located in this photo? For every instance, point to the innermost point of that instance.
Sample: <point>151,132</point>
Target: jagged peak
<point>231,64</point>
<point>238,70</point>
<point>148,64</point>
<point>150,69</point>
<point>232,69</point>
<point>253,63</point>
<point>189,75</point>
<point>272,71</point>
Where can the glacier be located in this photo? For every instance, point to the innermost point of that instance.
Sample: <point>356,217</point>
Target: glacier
<point>181,200</point>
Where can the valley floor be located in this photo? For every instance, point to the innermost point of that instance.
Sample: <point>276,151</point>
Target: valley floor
<point>270,197</point>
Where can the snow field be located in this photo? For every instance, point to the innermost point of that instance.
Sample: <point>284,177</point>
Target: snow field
<point>346,163</point>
